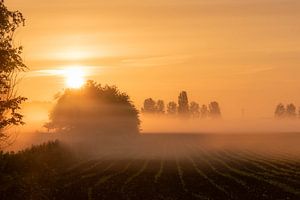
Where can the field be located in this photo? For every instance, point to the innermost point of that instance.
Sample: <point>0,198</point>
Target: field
<point>190,168</point>
<point>180,167</point>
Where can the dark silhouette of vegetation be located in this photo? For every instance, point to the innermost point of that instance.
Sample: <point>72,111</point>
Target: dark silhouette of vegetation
<point>153,107</point>
<point>286,112</point>
<point>291,111</point>
<point>280,111</point>
<point>183,108</point>
<point>214,110</point>
<point>11,64</point>
<point>149,106</point>
<point>172,108</point>
<point>93,108</point>
<point>194,109</point>
<point>160,107</point>
<point>204,111</point>
<point>183,104</point>
<point>32,173</point>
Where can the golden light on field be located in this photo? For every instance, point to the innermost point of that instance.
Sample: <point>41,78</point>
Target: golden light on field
<point>75,77</point>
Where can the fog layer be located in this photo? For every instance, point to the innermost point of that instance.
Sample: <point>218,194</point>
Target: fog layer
<point>169,137</point>
<point>155,123</point>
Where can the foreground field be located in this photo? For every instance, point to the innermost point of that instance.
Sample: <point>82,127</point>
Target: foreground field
<point>186,170</point>
<point>162,167</point>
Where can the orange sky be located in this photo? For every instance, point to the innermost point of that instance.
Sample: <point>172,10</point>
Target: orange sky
<point>244,54</point>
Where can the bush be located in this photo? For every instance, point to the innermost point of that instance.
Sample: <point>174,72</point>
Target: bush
<point>32,173</point>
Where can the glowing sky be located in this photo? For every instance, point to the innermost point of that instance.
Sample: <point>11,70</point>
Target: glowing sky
<point>244,54</point>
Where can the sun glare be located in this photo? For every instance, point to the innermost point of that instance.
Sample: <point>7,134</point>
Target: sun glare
<point>75,77</point>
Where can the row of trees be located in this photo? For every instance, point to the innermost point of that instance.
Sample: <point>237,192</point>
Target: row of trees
<point>288,111</point>
<point>182,107</point>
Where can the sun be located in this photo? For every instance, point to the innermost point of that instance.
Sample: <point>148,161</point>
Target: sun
<point>75,77</point>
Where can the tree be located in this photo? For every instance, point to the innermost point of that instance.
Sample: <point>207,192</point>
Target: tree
<point>291,111</point>
<point>93,108</point>
<point>195,109</point>
<point>280,111</point>
<point>214,110</point>
<point>204,111</point>
<point>11,64</point>
<point>183,104</point>
<point>172,108</point>
<point>149,106</point>
<point>160,107</point>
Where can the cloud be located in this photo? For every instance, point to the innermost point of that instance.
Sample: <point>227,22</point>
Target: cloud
<point>257,70</point>
<point>45,72</point>
<point>87,70</point>
<point>155,60</point>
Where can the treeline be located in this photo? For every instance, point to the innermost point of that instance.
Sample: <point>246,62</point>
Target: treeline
<point>182,108</point>
<point>289,111</point>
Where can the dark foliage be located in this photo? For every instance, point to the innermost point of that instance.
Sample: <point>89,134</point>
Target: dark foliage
<point>291,111</point>
<point>153,107</point>
<point>149,106</point>
<point>280,111</point>
<point>195,109</point>
<point>204,111</point>
<point>183,104</point>
<point>160,107</point>
<point>10,64</point>
<point>286,112</point>
<point>93,108</point>
<point>32,173</point>
<point>172,108</point>
<point>183,109</point>
<point>214,110</point>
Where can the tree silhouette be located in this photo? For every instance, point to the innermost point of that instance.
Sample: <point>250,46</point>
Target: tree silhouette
<point>160,107</point>
<point>93,108</point>
<point>204,111</point>
<point>172,108</point>
<point>291,111</point>
<point>214,110</point>
<point>195,109</point>
<point>10,64</point>
<point>280,111</point>
<point>149,106</point>
<point>183,104</point>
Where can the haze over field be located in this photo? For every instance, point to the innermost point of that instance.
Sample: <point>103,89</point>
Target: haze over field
<point>259,134</point>
<point>36,115</point>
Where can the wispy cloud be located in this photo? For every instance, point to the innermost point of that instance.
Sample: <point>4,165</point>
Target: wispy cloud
<point>254,70</point>
<point>45,72</point>
<point>62,71</point>
<point>155,60</point>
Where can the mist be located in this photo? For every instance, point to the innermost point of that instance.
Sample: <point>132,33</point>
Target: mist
<point>158,124</point>
<point>163,136</point>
